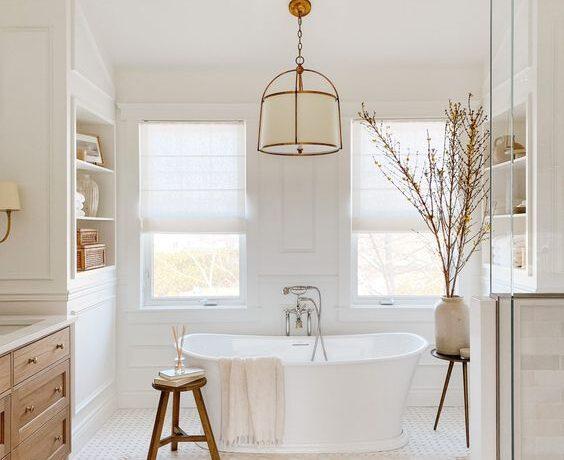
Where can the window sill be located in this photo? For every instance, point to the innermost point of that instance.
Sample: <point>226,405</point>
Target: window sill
<point>194,314</point>
<point>387,313</point>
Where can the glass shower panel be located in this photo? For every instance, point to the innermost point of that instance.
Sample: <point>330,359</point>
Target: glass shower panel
<point>501,125</point>
<point>526,259</point>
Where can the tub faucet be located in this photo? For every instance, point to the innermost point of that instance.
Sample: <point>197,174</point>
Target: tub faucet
<point>298,311</point>
<point>299,292</point>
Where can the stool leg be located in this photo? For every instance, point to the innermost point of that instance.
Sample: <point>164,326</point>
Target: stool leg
<point>158,427</point>
<point>206,425</point>
<point>465,379</point>
<point>447,379</point>
<point>175,418</point>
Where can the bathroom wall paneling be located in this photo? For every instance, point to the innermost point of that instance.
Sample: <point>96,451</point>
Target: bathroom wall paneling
<point>298,231</point>
<point>50,65</point>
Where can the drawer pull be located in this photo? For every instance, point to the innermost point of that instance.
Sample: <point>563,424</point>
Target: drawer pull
<point>60,346</point>
<point>32,360</point>
<point>30,408</point>
<point>59,389</point>
<point>59,437</point>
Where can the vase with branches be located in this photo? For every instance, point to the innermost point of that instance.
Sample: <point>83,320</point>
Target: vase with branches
<point>447,186</point>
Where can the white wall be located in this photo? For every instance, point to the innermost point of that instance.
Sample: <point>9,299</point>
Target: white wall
<point>33,146</point>
<point>282,248</point>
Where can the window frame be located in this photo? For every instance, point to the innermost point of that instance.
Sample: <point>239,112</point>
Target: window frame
<point>150,301</point>
<point>397,301</point>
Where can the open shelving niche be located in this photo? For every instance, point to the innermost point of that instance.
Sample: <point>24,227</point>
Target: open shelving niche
<point>507,225</point>
<point>86,121</point>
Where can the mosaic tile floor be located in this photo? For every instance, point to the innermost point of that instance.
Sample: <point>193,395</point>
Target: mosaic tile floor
<point>126,436</point>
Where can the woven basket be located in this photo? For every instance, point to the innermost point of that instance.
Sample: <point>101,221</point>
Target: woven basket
<point>85,236</point>
<point>90,257</point>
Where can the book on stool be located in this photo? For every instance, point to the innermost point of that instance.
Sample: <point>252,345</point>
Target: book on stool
<point>173,378</point>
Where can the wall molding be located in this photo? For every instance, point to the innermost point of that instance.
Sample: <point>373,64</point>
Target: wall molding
<point>86,428</point>
<point>95,394</point>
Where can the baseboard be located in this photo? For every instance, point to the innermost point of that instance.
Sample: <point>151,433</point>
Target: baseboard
<point>86,426</point>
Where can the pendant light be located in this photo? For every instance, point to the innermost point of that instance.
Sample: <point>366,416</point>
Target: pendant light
<point>300,114</point>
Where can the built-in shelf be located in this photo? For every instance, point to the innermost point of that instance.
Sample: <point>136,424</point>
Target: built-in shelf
<point>507,216</point>
<point>100,219</point>
<point>517,162</point>
<point>90,167</point>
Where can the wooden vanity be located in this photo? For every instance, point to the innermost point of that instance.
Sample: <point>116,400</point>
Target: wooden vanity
<point>35,393</point>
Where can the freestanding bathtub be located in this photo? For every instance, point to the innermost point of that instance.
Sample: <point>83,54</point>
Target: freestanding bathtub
<point>352,403</point>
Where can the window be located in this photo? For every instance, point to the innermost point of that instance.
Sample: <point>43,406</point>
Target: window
<point>193,212</point>
<point>393,258</point>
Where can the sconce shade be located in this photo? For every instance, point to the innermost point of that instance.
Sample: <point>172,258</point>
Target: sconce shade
<point>9,197</point>
<point>300,122</point>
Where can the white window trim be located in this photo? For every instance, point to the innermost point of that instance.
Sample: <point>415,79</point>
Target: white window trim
<point>381,301</point>
<point>360,303</point>
<point>196,302</point>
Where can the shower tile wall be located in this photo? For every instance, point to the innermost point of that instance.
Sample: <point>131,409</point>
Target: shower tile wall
<point>541,390</point>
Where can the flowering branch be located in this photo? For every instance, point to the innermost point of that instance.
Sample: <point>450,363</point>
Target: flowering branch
<point>448,188</point>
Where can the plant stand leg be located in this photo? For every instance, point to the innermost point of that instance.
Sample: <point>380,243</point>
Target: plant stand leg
<point>445,388</point>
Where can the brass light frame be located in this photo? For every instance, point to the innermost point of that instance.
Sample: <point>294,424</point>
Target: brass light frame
<point>300,8</point>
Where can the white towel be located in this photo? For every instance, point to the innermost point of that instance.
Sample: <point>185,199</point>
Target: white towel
<point>252,401</point>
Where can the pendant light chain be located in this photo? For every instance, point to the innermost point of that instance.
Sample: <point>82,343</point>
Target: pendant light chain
<point>300,59</point>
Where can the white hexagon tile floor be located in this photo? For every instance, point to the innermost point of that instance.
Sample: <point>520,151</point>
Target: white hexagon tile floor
<point>126,435</point>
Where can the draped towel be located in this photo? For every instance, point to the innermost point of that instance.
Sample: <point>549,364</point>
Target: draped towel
<point>252,401</point>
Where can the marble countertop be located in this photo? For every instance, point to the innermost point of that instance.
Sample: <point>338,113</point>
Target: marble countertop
<point>18,330</point>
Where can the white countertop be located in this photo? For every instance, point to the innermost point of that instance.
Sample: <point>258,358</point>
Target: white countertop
<point>35,327</point>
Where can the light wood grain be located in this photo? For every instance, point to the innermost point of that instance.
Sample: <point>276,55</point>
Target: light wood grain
<point>50,442</point>
<point>39,398</point>
<point>5,442</point>
<point>5,373</point>
<point>41,354</point>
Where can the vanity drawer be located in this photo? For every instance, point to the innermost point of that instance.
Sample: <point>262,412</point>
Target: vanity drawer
<point>35,401</point>
<point>4,426</point>
<point>5,373</point>
<point>50,442</point>
<point>41,354</point>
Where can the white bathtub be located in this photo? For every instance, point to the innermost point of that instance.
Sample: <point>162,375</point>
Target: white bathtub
<point>353,403</point>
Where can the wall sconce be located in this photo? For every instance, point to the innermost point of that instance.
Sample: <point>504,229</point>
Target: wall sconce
<point>9,201</point>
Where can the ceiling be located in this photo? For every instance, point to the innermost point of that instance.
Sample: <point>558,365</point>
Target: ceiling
<point>239,33</point>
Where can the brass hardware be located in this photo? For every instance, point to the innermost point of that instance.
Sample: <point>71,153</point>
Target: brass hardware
<point>8,225</point>
<point>32,360</point>
<point>30,408</point>
<point>60,345</point>
<point>299,8</point>
<point>59,437</point>
<point>59,389</point>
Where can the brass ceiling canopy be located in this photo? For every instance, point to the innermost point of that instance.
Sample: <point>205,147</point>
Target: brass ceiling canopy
<point>299,8</point>
<point>296,120</point>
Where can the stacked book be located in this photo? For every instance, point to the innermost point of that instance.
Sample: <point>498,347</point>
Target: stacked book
<point>175,378</point>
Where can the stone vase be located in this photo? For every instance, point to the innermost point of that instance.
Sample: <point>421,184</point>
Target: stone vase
<point>452,325</point>
<point>89,188</point>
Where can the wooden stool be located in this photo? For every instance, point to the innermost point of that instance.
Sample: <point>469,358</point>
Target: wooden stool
<point>178,434</point>
<point>454,359</point>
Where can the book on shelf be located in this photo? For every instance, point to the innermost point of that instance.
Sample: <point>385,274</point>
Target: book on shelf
<point>186,373</point>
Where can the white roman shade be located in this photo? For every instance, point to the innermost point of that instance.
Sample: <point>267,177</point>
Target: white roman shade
<point>192,177</point>
<point>377,206</point>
